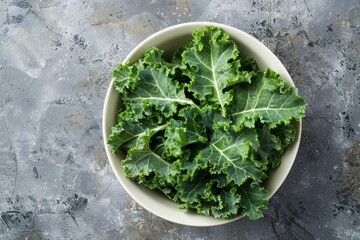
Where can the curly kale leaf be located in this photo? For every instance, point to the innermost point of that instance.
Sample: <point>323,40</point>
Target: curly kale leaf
<point>266,98</point>
<point>212,60</point>
<point>229,153</point>
<point>253,199</point>
<point>148,167</point>
<point>183,132</point>
<point>204,127</point>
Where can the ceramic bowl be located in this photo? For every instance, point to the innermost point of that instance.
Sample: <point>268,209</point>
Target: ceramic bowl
<point>169,39</point>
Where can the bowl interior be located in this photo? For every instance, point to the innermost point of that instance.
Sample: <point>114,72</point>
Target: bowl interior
<point>168,40</point>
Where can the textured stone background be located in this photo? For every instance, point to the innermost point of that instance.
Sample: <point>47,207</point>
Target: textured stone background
<point>56,59</point>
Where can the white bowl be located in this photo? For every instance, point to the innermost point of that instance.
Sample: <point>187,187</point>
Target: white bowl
<point>168,40</point>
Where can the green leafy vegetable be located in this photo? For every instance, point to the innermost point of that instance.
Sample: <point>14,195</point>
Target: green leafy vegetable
<point>228,153</point>
<point>206,126</point>
<point>266,99</point>
<point>212,63</point>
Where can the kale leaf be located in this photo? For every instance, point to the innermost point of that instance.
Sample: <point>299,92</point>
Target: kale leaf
<point>206,126</point>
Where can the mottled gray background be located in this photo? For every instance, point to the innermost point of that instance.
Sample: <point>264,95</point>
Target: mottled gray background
<point>56,61</point>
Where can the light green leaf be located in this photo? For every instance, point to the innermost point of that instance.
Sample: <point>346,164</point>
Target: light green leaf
<point>155,89</point>
<point>212,58</point>
<point>146,166</point>
<point>153,57</point>
<point>125,77</point>
<point>131,134</point>
<point>267,99</point>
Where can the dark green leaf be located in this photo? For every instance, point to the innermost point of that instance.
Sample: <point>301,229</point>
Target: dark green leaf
<point>228,153</point>
<point>253,199</point>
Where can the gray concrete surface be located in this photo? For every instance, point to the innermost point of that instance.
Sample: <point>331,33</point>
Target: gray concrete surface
<point>56,59</point>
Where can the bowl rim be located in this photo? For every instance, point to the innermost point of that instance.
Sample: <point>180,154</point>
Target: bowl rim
<point>189,219</point>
